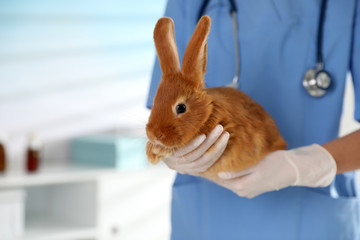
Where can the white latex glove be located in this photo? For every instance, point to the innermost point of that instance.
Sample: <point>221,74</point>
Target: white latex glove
<point>193,158</point>
<point>311,166</point>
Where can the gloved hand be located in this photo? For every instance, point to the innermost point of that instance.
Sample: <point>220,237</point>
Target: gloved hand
<point>311,166</point>
<point>193,158</point>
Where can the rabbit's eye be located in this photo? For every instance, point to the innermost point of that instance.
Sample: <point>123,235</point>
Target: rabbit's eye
<point>180,108</point>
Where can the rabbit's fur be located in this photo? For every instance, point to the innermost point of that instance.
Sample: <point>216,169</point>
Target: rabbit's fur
<point>253,133</point>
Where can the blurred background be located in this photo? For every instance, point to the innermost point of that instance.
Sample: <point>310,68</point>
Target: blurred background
<point>74,77</point>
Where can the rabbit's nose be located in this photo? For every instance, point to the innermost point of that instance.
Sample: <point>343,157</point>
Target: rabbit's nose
<point>151,136</point>
<point>158,139</point>
<point>156,135</point>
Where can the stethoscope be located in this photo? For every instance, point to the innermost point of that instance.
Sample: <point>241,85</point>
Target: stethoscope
<point>316,80</point>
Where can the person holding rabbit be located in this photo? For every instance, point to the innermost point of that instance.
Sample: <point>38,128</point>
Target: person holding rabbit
<point>306,191</point>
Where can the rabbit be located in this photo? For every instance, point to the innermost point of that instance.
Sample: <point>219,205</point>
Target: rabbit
<point>184,109</point>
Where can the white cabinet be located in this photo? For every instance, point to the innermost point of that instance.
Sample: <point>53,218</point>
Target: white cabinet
<point>11,213</point>
<point>136,205</point>
<point>61,211</point>
<point>59,203</point>
<point>102,204</point>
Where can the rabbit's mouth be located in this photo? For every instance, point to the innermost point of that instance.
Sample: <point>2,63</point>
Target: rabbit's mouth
<point>157,143</point>
<point>161,150</point>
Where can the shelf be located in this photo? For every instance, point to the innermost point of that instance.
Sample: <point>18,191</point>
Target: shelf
<point>68,174</point>
<point>48,176</point>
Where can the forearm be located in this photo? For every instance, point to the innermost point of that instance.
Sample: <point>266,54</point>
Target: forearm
<point>346,152</point>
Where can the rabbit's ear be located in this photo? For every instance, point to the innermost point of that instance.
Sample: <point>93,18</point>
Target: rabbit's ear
<point>194,61</point>
<point>165,44</point>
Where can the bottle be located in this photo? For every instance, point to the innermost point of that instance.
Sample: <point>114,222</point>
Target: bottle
<point>33,153</point>
<point>2,155</point>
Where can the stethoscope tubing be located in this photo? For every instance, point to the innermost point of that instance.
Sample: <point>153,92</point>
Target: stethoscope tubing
<point>233,13</point>
<point>320,35</point>
<point>235,81</point>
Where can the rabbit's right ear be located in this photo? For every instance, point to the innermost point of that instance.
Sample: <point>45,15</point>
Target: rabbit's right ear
<point>195,57</point>
<point>165,44</point>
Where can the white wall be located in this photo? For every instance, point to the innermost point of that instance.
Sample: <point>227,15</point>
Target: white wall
<point>348,124</point>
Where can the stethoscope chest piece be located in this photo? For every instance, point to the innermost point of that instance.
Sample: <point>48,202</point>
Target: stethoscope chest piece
<point>316,82</point>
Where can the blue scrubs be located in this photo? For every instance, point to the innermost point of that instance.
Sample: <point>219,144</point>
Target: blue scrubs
<point>278,45</point>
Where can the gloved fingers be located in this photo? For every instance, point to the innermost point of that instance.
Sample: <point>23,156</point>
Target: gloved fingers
<point>190,147</point>
<point>237,185</point>
<point>246,186</point>
<point>206,160</point>
<point>198,152</point>
<point>236,174</point>
<point>209,158</point>
<point>262,165</point>
<point>179,162</point>
<point>249,194</point>
<point>173,161</point>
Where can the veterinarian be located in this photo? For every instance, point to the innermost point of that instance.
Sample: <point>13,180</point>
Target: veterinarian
<point>292,58</point>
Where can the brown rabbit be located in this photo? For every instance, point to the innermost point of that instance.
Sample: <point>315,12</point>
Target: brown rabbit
<point>184,109</point>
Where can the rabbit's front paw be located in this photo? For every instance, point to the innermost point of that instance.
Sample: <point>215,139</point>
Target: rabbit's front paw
<point>152,152</point>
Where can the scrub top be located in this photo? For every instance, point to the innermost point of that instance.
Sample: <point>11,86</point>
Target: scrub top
<point>277,46</point>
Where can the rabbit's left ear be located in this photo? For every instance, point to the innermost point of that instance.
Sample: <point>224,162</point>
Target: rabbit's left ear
<point>195,57</point>
<point>165,44</point>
